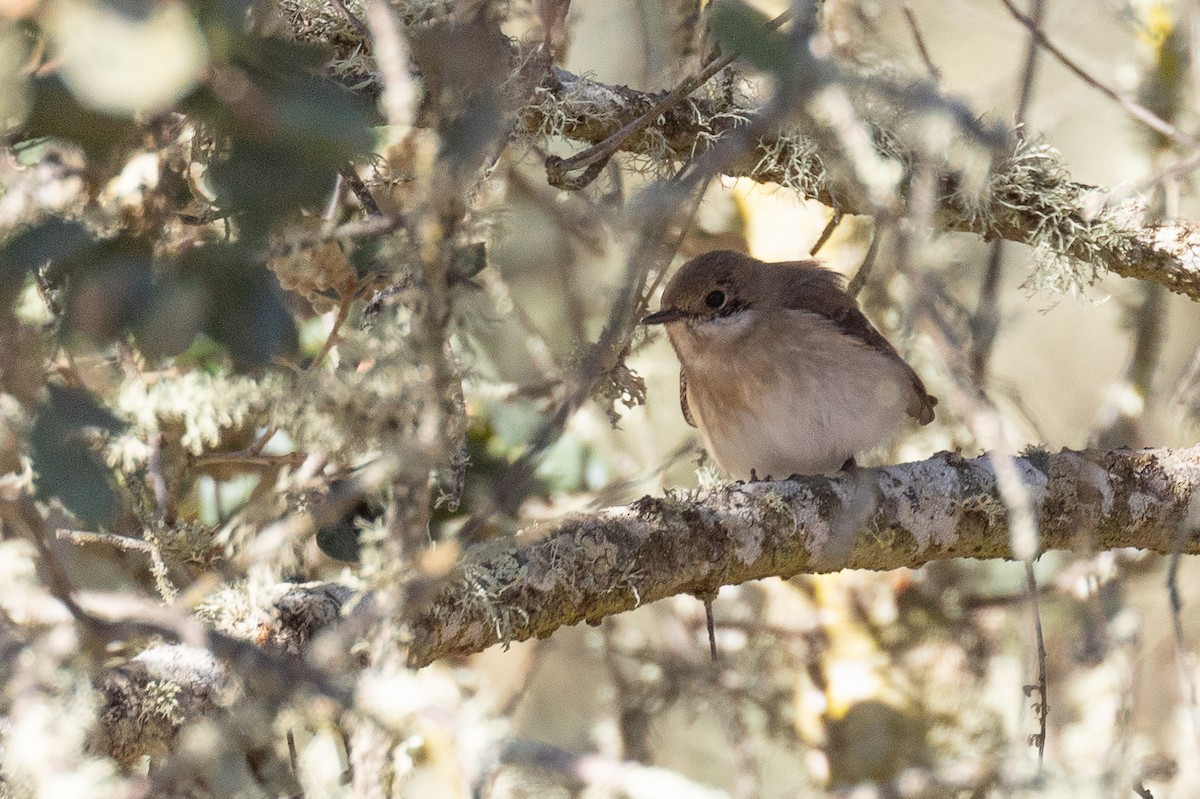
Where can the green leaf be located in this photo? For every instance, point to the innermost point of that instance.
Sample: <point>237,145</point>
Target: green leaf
<point>54,240</point>
<point>290,134</point>
<point>470,260</point>
<point>65,465</point>
<point>340,540</point>
<point>223,21</point>
<point>110,291</point>
<point>245,308</point>
<point>743,30</point>
<point>265,180</point>
<point>58,114</point>
<point>77,408</point>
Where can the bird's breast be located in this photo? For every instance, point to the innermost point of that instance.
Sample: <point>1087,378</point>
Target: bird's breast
<point>801,400</point>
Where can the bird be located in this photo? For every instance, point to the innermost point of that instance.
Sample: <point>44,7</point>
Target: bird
<point>780,371</point>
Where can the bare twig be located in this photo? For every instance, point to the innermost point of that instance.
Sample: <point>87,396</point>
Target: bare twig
<point>1135,110</point>
<point>1183,537</point>
<point>164,499</point>
<point>248,457</point>
<point>711,626</point>
<point>593,160</point>
<point>1041,708</point>
<point>343,311</point>
<point>986,321</point>
<point>834,220</point>
<point>361,192</point>
<point>352,18</point>
<point>122,542</point>
<point>856,284</point>
<point>919,41</point>
<point>1029,70</point>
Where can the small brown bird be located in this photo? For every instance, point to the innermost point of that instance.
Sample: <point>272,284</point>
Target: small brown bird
<point>779,369</point>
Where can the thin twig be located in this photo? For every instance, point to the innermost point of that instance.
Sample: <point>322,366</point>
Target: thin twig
<point>1135,110</point>
<point>343,311</point>
<point>1029,71</point>
<point>122,542</point>
<point>164,501</point>
<point>335,200</point>
<point>711,625</point>
<point>247,458</point>
<point>1041,707</point>
<point>859,280</point>
<point>827,233</point>
<point>919,41</point>
<point>356,23</point>
<point>361,192</point>
<point>125,544</point>
<point>985,323</point>
<point>1186,530</point>
<point>593,160</point>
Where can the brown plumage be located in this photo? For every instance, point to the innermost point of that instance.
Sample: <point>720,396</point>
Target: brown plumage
<point>777,359</point>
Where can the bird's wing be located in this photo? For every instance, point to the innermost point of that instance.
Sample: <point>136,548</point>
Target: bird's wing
<point>683,401</point>
<point>821,291</point>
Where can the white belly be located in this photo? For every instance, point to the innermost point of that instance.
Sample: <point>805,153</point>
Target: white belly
<point>827,399</point>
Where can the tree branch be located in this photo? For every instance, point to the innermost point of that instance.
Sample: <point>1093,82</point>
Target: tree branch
<point>614,560</point>
<point>1028,197</point>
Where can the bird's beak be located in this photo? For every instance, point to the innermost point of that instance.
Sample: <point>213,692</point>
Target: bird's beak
<point>664,316</point>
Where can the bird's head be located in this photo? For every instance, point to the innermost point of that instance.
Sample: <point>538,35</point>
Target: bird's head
<point>714,291</point>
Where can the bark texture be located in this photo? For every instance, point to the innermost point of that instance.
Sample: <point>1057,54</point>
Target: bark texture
<point>1028,197</point>
<point>596,565</point>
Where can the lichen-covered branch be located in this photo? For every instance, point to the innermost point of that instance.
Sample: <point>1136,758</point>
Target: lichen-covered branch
<point>1028,197</point>
<point>611,561</point>
<point>599,564</point>
<point>147,701</point>
<point>1078,230</point>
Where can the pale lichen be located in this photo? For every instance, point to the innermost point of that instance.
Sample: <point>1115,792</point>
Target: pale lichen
<point>196,408</point>
<point>923,496</point>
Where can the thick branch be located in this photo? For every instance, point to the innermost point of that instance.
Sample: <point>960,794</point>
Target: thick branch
<point>1028,197</point>
<point>608,562</point>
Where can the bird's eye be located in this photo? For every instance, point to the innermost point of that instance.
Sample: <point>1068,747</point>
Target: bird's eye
<point>715,299</point>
